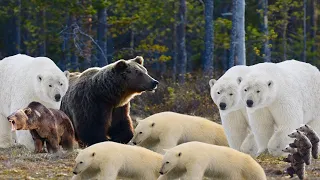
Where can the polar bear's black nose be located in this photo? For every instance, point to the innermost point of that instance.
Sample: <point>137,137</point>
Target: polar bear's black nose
<point>161,172</point>
<point>223,106</point>
<point>134,143</point>
<point>249,103</point>
<point>57,97</point>
<point>75,172</point>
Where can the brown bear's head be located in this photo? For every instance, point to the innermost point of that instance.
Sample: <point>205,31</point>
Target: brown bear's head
<point>134,77</point>
<point>22,119</point>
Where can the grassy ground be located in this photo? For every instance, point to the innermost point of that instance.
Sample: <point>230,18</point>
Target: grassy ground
<point>19,163</point>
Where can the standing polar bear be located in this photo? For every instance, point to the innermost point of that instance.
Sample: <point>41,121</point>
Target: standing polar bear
<point>109,160</point>
<point>25,79</point>
<point>289,91</point>
<point>224,93</point>
<point>168,129</point>
<point>195,160</point>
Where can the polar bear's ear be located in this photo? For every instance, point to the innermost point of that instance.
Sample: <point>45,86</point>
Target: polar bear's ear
<point>239,79</point>
<point>121,65</point>
<point>165,150</point>
<point>270,83</point>
<point>39,77</point>
<point>211,82</point>
<point>139,60</point>
<point>67,74</point>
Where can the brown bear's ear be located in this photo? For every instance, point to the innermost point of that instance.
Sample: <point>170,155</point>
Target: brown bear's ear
<point>93,154</point>
<point>139,60</point>
<point>27,111</point>
<point>121,65</point>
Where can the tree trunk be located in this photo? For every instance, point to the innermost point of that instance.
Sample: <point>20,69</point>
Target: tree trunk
<point>42,32</point>
<point>314,20</point>
<point>237,45</point>
<point>18,29</point>
<point>208,39</point>
<point>233,43</point>
<point>174,46</point>
<point>241,50</point>
<point>267,52</point>
<point>304,56</point>
<point>74,58</point>
<point>181,41</point>
<point>101,37</point>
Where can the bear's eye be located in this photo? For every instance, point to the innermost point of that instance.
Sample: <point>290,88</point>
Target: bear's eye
<point>245,90</point>
<point>140,132</point>
<point>218,92</point>
<point>50,85</point>
<point>81,162</point>
<point>61,84</point>
<point>258,91</point>
<point>140,74</point>
<point>167,162</point>
<point>231,94</point>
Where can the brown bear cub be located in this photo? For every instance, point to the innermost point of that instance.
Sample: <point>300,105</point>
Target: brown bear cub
<point>313,137</point>
<point>303,145</point>
<point>46,125</point>
<point>297,162</point>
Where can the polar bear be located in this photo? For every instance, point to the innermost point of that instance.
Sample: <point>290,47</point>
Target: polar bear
<point>288,94</point>
<point>25,79</point>
<point>168,129</point>
<point>224,93</point>
<point>195,160</point>
<point>109,160</point>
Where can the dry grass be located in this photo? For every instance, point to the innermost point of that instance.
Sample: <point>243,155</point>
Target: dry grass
<point>19,163</point>
<point>191,98</point>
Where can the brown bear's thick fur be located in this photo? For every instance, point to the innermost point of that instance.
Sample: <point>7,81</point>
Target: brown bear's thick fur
<point>297,163</point>
<point>303,145</point>
<point>98,100</point>
<point>45,124</point>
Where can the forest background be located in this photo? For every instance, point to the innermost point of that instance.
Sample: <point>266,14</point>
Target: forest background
<point>184,42</point>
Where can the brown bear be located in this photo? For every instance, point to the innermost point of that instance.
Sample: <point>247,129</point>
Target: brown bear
<point>98,100</point>
<point>313,137</point>
<point>303,145</point>
<point>297,162</point>
<point>46,125</point>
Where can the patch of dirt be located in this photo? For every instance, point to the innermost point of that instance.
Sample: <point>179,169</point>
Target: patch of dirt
<point>17,163</point>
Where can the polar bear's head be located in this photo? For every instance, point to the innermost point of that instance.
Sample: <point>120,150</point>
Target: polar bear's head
<point>142,131</point>
<point>224,93</point>
<point>257,90</point>
<point>51,88</point>
<point>170,161</point>
<point>84,160</point>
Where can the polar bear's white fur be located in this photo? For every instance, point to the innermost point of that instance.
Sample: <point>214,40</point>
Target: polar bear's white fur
<point>195,160</point>
<point>224,93</point>
<point>109,160</point>
<point>168,129</point>
<point>281,96</point>
<point>25,79</point>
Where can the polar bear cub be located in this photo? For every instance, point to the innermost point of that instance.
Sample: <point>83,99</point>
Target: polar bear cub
<point>224,93</point>
<point>289,91</point>
<point>168,129</point>
<point>109,160</point>
<point>195,160</point>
